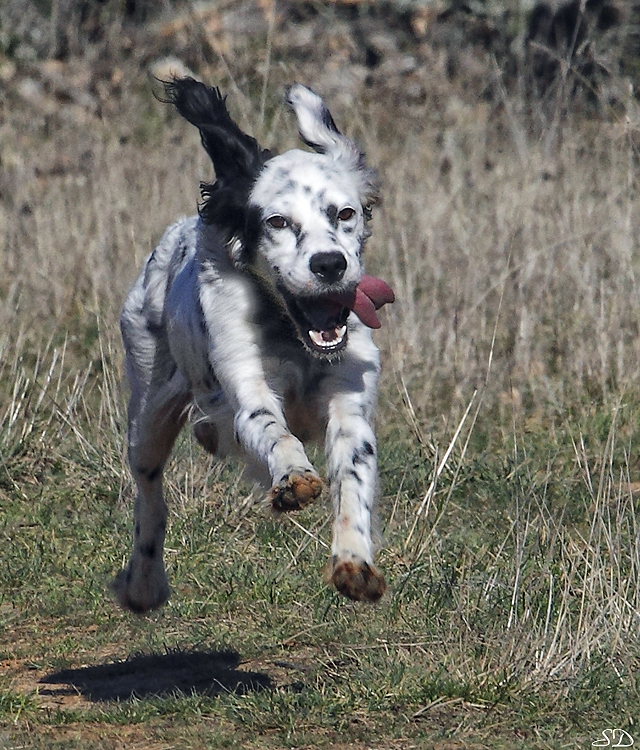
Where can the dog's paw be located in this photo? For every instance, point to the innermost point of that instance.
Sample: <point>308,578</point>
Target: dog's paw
<point>141,595</point>
<point>295,491</point>
<point>358,580</point>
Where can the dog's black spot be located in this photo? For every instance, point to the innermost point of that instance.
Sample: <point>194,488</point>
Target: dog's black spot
<point>281,173</point>
<point>137,530</point>
<point>290,186</point>
<point>327,120</point>
<point>353,473</point>
<point>300,238</point>
<point>262,412</point>
<point>332,214</point>
<point>362,454</point>
<point>182,251</point>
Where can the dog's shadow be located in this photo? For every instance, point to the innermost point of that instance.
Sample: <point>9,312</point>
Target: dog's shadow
<point>149,675</point>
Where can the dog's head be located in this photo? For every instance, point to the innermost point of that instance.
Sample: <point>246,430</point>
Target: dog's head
<point>299,218</point>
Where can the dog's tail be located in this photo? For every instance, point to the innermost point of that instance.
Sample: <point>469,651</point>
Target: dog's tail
<point>235,155</point>
<point>318,130</point>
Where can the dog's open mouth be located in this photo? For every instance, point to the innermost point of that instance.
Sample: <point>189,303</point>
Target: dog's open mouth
<point>321,321</point>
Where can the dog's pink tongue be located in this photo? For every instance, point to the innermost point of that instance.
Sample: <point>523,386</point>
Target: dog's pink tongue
<point>370,295</point>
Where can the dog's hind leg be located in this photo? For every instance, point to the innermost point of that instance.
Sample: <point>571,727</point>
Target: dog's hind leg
<point>154,426</point>
<point>157,411</point>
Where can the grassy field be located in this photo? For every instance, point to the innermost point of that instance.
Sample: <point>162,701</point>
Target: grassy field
<point>509,449</point>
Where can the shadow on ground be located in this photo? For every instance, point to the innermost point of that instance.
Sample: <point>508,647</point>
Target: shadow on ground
<point>202,672</point>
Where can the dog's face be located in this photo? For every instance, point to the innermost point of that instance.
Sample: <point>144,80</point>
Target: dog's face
<point>300,216</point>
<point>311,239</point>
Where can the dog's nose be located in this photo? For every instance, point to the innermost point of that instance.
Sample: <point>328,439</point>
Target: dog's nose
<point>329,267</point>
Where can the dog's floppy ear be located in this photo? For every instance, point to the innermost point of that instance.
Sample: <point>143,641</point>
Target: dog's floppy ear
<point>235,155</point>
<point>237,159</point>
<point>318,130</point>
<point>315,123</point>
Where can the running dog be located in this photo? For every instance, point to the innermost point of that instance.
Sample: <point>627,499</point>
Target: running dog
<point>253,320</point>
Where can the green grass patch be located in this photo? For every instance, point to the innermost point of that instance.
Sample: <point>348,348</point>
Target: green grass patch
<point>511,607</point>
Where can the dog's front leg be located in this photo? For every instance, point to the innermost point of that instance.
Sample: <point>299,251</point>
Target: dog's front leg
<point>353,473</point>
<point>260,425</point>
<point>262,430</point>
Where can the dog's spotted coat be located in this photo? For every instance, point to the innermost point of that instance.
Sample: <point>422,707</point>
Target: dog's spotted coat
<point>247,319</point>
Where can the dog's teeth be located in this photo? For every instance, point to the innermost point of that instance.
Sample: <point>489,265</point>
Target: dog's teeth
<point>320,340</point>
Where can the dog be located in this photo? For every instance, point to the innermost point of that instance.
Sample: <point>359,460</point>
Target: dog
<point>253,319</point>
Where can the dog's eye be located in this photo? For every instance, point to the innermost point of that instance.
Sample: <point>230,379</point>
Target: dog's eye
<point>346,214</point>
<point>277,222</point>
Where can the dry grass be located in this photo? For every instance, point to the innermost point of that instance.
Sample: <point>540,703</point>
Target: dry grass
<point>509,446</point>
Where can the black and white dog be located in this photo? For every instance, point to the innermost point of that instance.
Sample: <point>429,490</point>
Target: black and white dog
<point>253,320</point>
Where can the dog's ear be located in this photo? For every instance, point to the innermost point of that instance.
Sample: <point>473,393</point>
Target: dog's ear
<point>237,159</point>
<point>315,123</point>
<point>235,155</point>
<point>318,130</point>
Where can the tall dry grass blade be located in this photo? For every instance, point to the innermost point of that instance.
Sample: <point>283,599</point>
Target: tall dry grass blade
<point>452,483</point>
<point>520,546</point>
<point>408,404</point>
<point>271,21</point>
